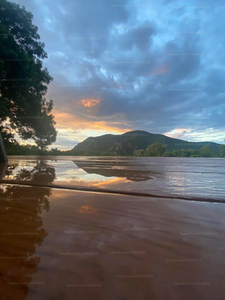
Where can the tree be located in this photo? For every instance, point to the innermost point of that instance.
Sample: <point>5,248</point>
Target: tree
<point>139,152</point>
<point>54,151</point>
<point>207,151</point>
<point>24,81</point>
<point>155,149</point>
<point>222,151</point>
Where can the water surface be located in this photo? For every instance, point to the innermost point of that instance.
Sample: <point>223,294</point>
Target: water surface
<point>186,177</point>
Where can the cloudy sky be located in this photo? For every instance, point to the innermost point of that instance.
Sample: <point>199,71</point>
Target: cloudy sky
<point>120,65</point>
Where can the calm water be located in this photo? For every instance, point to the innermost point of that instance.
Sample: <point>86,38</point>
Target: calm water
<point>187,177</point>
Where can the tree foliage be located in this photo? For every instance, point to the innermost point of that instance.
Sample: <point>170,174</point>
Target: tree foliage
<point>183,153</point>
<point>139,152</point>
<point>24,81</point>
<point>158,149</point>
<point>207,151</point>
<point>155,149</point>
<point>222,151</point>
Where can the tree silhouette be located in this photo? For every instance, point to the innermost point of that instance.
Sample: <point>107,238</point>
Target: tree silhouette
<point>24,81</point>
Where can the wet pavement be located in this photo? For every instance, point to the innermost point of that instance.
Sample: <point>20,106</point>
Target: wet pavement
<point>57,243</point>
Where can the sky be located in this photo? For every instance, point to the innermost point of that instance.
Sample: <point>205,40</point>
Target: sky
<point>120,65</point>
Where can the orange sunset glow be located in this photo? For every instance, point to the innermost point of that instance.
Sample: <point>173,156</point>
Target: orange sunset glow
<point>90,102</point>
<point>69,123</point>
<point>87,209</point>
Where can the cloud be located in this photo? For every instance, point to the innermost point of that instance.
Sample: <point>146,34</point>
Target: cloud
<point>89,102</point>
<point>158,68</point>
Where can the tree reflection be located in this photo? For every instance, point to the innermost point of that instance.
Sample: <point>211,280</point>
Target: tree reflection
<point>21,227</point>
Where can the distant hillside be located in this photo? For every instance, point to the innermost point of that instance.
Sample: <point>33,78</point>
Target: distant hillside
<point>127,143</point>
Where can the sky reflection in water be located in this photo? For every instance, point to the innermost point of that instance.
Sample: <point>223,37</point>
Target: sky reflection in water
<point>160,176</point>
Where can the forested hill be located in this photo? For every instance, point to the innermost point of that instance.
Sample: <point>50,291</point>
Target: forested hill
<point>127,143</point>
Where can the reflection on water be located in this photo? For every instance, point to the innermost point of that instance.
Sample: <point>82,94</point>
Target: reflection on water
<point>117,171</point>
<point>197,177</point>
<point>21,226</point>
<point>87,209</point>
<point>40,171</point>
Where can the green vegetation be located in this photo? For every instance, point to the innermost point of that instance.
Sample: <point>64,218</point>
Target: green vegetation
<point>155,149</point>
<point>222,151</point>
<point>183,153</point>
<point>207,151</point>
<point>134,143</point>
<point>125,145</point>
<point>139,152</point>
<point>23,85</point>
<point>16,149</point>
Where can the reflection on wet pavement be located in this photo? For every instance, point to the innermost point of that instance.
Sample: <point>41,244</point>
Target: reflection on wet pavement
<point>60,244</point>
<point>87,209</point>
<point>21,228</point>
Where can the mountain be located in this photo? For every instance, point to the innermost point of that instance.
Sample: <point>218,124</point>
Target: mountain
<point>125,144</point>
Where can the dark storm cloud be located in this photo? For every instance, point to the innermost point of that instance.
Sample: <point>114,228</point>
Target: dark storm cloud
<point>160,62</point>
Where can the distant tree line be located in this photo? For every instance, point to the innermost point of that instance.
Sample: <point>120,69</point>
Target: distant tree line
<point>17,149</point>
<point>157,149</point>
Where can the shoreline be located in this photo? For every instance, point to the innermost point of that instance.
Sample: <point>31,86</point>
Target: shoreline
<point>115,192</point>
